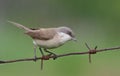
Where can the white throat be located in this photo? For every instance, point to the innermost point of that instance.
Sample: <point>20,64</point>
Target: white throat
<point>64,37</point>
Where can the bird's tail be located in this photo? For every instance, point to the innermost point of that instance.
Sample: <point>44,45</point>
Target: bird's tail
<point>20,26</point>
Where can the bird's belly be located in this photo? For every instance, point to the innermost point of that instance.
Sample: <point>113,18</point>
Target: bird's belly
<point>57,41</point>
<point>49,44</point>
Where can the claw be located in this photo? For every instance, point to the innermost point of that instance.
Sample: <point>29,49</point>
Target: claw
<point>95,47</point>
<point>55,56</point>
<point>51,53</point>
<point>35,59</point>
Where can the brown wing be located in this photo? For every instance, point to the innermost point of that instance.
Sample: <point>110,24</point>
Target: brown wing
<point>42,34</point>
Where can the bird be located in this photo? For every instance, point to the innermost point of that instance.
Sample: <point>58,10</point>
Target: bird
<point>47,38</point>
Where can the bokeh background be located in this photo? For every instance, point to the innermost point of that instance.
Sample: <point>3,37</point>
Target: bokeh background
<point>96,22</point>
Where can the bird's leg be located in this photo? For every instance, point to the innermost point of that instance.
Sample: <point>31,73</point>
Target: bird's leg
<point>42,57</point>
<point>51,53</point>
<point>35,57</point>
<point>41,51</point>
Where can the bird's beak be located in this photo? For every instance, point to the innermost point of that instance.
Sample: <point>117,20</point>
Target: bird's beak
<point>74,39</point>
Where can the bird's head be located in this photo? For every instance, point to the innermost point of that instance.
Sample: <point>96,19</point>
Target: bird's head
<point>67,31</point>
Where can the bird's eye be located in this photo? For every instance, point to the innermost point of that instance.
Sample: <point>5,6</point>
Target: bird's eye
<point>32,28</point>
<point>70,34</point>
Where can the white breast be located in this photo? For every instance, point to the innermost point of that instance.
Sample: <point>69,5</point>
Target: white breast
<point>58,40</point>
<point>64,37</point>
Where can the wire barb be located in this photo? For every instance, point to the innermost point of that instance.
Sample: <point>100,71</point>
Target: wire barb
<point>42,64</point>
<point>91,51</point>
<point>87,46</point>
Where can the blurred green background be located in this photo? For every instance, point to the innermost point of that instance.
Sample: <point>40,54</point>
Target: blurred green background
<point>96,22</point>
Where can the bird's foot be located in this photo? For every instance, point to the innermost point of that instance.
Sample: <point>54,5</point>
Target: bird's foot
<point>51,53</point>
<point>35,58</point>
<point>54,56</point>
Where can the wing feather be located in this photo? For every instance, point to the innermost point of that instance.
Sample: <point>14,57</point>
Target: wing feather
<point>42,34</point>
